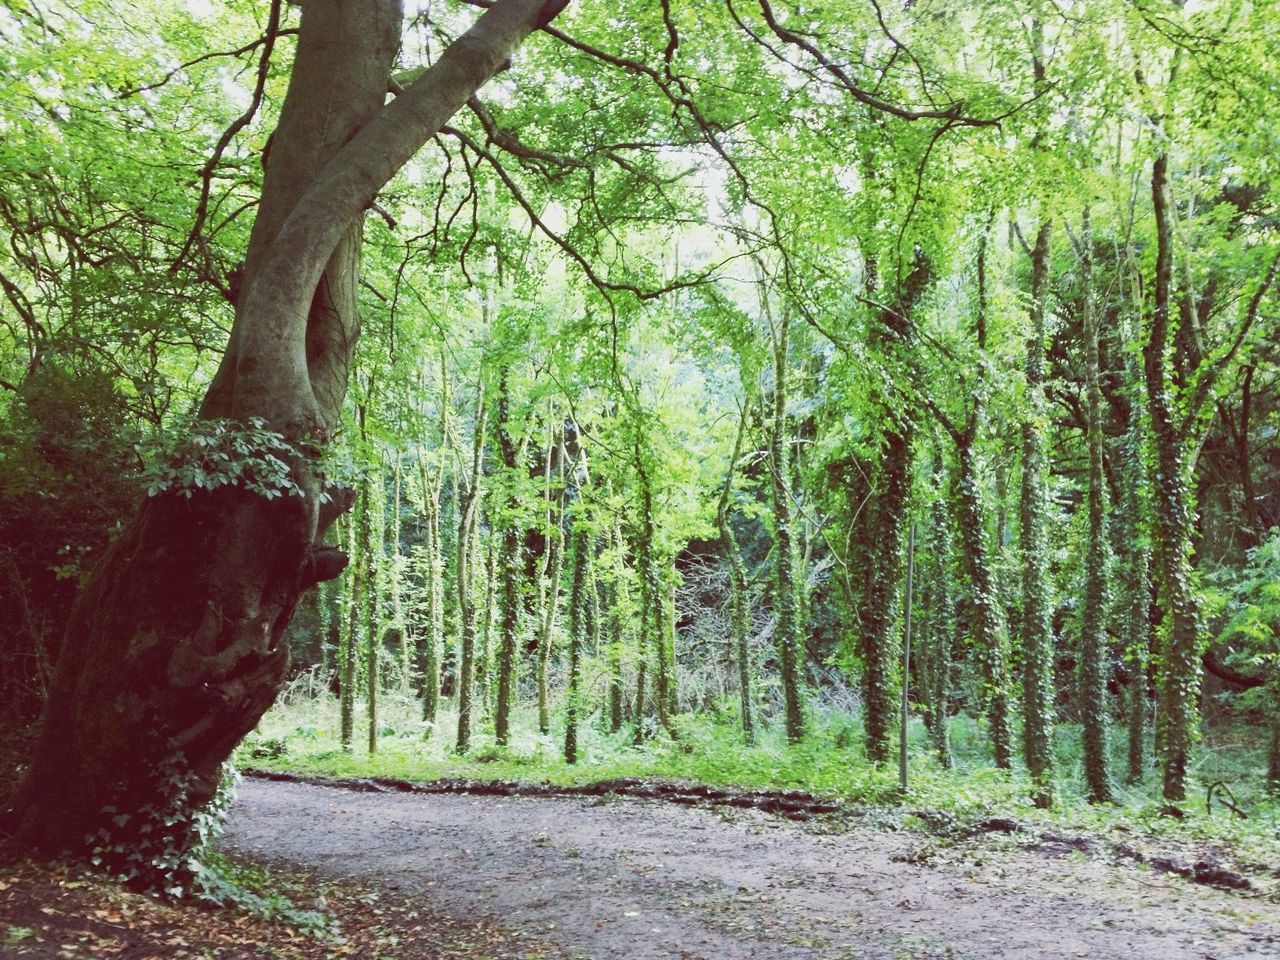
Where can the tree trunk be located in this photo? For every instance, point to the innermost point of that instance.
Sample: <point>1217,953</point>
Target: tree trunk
<point>1180,654</point>
<point>786,591</point>
<point>173,650</point>
<point>549,588</point>
<point>578,615</point>
<point>738,583</point>
<point>1037,631</point>
<point>349,656</point>
<point>618,602</point>
<point>509,564</point>
<point>941,609</point>
<point>468,524</point>
<point>989,630</point>
<point>883,532</point>
<point>1093,643</point>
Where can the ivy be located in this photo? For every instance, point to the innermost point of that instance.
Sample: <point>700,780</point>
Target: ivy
<point>209,454</point>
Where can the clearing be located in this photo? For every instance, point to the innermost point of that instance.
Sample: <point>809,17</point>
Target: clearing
<point>614,877</point>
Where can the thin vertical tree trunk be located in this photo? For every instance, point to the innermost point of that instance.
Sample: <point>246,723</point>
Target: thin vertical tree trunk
<point>941,606</point>
<point>786,591</point>
<point>1180,660</point>
<point>1093,645</point>
<point>469,507</point>
<point>578,615</point>
<point>549,589</point>
<point>990,635</point>
<point>509,565</point>
<point>373,496</point>
<point>618,602</point>
<point>738,583</point>
<point>1037,630</point>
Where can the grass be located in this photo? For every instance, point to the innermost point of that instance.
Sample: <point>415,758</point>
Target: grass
<point>300,734</point>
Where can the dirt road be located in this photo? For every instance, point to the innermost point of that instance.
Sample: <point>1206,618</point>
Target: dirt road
<point>646,880</point>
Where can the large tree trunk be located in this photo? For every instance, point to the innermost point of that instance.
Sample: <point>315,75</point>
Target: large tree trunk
<point>173,649</point>
<point>881,541</point>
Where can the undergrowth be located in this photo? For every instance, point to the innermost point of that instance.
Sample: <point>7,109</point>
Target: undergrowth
<point>300,734</point>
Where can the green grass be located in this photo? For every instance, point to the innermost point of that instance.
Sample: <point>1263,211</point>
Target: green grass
<point>300,734</point>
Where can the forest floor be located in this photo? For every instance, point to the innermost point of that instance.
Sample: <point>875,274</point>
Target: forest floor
<point>613,876</point>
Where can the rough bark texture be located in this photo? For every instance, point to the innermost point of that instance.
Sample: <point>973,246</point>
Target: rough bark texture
<point>578,616</point>
<point>1094,662</point>
<point>990,634</point>
<point>940,604</point>
<point>173,649</point>
<point>553,566</point>
<point>1037,631</point>
<point>468,546</point>
<point>786,589</point>
<point>738,616</point>
<point>881,546</point>
<point>509,565</point>
<point>1180,656</point>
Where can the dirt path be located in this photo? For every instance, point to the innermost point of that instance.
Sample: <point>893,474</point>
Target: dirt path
<point>645,880</point>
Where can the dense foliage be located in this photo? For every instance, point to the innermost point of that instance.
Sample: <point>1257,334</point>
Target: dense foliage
<point>668,342</point>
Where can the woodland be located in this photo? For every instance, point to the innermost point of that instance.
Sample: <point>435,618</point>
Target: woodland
<point>870,399</point>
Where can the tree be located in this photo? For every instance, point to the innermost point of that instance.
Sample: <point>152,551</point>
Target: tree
<point>173,653</point>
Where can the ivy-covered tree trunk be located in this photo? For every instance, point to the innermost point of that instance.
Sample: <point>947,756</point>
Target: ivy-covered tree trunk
<point>786,589</point>
<point>990,635</point>
<point>1037,631</point>
<point>738,614</point>
<point>468,528</point>
<point>578,616</point>
<point>651,639</point>
<point>173,650</point>
<point>433,589</point>
<point>349,657</point>
<point>484,658</point>
<point>1135,617</point>
<point>940,604</point>
<point>373,496</point>
<point>1093,642</point>
<point>617,617</point>
<point>1180,653</point>
<point>553,565</point>
<point>882,532</point>
<point>509,569</point>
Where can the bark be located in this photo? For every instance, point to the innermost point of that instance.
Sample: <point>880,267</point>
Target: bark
<point>350,654</point>
<point>553,565</point>
<point>484,659</point>
<point>1180,655</point>
<point>786,589</point>
<point>509,563</point>
<point>650,608</point>
<point>468,525</point>
<point>1037,631</point>
<point>173,650</point>
<point>989,629</point>
<point>432,488</point>
<point>738,616</point>
<point>884,529</point>
<point>618,603</point>
<point>940,604</point>
<point>370,612</point>
<point>1093,643</point>
<point>578,616</point>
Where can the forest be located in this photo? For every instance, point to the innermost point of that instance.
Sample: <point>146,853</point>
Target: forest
<point>872,404</point>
